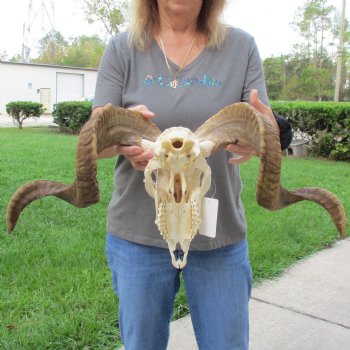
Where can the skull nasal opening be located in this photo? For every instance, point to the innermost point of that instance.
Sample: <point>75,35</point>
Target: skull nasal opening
<point>177,144</point>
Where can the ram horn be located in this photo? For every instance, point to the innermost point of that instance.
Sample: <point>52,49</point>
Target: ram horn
<point>108,127</point>
<point>241,123</point>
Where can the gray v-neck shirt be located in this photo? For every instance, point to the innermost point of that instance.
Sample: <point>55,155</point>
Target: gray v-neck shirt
<point>215,79</point>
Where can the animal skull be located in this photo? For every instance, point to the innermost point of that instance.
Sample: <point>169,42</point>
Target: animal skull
<point>182,179</point>
<point>182,174</point>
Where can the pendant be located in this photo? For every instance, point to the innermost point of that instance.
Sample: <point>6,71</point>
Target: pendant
<point>174,84</point>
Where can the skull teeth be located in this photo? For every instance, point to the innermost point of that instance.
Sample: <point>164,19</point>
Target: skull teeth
<point>180,264</point>
<point>161,220</point>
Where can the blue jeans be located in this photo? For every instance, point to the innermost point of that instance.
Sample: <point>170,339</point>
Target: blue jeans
<point>217,283</point>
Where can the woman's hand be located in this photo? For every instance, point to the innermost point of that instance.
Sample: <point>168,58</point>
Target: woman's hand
<point>245,152</point>
<point>135,154</point>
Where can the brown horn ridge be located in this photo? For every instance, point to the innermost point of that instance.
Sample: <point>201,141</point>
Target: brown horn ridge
<point>241,122</point>
<point>108,127</point>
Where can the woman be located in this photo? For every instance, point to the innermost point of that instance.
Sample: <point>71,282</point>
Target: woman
<point>180,65</point>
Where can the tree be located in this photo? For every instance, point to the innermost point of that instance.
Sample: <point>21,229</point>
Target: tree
<point>309,71</point>
<point>340,54</point>
<point>110,13</point>
<point>16,58</point>
<point>344,89</point>
<point>291,89</point>
<point>275,76</point>
<point>52,48</point>
<point>314,22</point>
<point>3,55</point>
<point>21,110</point>
<point>84,51</point>
<point>315,84</point>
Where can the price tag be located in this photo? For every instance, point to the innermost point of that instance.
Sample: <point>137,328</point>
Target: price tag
<point>209,217</point>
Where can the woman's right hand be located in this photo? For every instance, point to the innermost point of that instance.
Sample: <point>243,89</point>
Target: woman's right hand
<point>135,154</point>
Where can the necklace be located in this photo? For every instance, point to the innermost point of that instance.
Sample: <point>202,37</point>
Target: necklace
<point>175,83</point>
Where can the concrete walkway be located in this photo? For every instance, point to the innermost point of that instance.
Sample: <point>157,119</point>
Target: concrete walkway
<point>45,120</point>
<point>307,308</point>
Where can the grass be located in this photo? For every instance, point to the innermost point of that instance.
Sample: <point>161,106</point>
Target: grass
<point>55,288</point>
<point>278,239</point>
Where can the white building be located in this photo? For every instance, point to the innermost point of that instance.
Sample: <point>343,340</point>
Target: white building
<point>47,84</point>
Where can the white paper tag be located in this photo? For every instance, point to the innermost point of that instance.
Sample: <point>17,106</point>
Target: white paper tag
<point>209,217</point>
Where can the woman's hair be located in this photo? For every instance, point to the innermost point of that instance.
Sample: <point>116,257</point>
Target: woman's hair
<point>144,18</point>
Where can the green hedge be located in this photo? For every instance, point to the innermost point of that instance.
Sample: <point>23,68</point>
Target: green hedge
<point>21,110</point>
<point>72,114</point>
<point>325,124</point>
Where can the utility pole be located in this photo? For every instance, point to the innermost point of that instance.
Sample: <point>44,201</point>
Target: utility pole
<point>340,53</point>
<point>27,33</point>
<point>40,20</point>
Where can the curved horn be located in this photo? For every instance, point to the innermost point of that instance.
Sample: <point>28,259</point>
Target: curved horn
<point>108,127</point>
<point>242,123</point>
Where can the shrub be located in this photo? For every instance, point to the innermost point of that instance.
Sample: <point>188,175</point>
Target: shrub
<point>323,144</point>
<point>21,110</point>
<point>72,114</point>
<point>325,124</point>
<point>341,152</point>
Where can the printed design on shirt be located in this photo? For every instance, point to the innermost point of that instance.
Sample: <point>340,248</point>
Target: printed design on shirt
<point>164,81</point>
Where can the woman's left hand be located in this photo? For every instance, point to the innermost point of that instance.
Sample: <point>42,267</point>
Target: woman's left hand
<point>245,152</point>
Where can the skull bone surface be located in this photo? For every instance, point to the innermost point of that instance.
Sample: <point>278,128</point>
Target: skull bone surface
<point>178,177</point>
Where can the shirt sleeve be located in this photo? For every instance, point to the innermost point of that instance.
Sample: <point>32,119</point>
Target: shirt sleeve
<point>254,78</point>
<point>110,77</point>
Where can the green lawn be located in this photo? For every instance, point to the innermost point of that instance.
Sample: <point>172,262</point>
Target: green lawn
<point>55,288</point>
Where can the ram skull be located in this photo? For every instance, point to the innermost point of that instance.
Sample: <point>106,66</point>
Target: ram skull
<point>182,179</point>
<point>178,176</point>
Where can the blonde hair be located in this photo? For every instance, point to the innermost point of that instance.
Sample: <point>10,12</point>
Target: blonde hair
<point>144,18</point>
